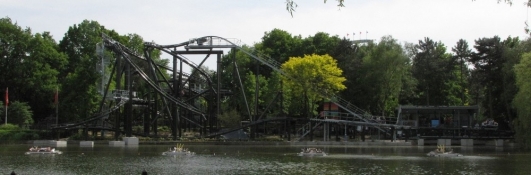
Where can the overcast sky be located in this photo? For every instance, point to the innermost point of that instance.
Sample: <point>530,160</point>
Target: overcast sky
<point>176,21</point>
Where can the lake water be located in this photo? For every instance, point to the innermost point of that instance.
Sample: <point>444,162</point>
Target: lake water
<point>223,159</point>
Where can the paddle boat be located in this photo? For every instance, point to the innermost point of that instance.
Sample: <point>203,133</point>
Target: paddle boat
<point>311,152</point>
<point>441,152</point>
<point>177,150</point>
<point>44,150</point>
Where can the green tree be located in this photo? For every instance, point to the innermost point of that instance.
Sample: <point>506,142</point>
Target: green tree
<point>32,66</point>
<point>280,45</point>
<point>513,49</point>
<point>349,59</point>
<point>435,72</point>
<point>462,55</point>
<point>321,43</point>
<point>20,113</point>
<point>409,95</point>
<point>384,67</point>
<point>230,119</point>
<point>238,62</point>
<point>13,48</point>
<point>42,74</point>
<point>135,43</point>
<point>310,77</point>
<point>490,69</point>
<point>235,63</point>
<point>522,101</point>
<point>274,92</point>
<point>79,93</point>
<point>250,84</point>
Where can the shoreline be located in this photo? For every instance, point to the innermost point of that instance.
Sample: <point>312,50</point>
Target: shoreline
<point>386,143</point>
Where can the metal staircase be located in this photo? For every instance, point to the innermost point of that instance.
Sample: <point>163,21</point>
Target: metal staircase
<point>305,130</point>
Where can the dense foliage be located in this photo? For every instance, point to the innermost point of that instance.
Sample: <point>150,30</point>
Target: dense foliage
<point>10,132</point>
<point>310,78</point>
<point>376,76</point>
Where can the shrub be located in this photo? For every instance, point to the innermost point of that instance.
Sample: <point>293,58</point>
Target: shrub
<point>9,127</point>
<point>18,135</point>
<point>77,136</point>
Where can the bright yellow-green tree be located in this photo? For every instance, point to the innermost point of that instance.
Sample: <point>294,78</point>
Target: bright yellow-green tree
<point>308,80</point>
<point>522,101</point>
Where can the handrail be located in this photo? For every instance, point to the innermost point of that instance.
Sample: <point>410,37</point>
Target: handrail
<point>309,130</point>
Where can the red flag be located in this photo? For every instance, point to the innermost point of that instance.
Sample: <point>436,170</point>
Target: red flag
<point>7,96</point>
<point>56,96</point>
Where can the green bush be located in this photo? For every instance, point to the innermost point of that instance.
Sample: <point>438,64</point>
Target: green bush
<point>163,128</point>
<point>9,127</point>
<point>77,136</point>
<point>25,135</point>
<point>18,135</point>
<point>138,129</point>
<point>4,134</point>
<point>11,132</point>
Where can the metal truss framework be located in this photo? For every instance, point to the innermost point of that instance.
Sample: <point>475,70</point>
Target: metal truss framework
<point>174,98</point>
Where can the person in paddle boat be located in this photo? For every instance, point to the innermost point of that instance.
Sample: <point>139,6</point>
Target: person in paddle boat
<point>44,149</point>
<point>173,149</point>
<point>33,148</point>
<point>311,150</point>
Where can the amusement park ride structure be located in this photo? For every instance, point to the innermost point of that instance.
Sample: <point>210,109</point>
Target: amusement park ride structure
<point>176,99</point>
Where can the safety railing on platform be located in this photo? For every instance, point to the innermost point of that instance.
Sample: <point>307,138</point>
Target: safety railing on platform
<point>214,41</point>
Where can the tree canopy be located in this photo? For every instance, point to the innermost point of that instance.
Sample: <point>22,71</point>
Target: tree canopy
<point>312,76</point>
<point>376,76</point>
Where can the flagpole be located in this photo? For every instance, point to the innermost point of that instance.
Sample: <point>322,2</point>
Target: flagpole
<point>56,115</point>
<point>56,107</point>
<point>7,102</point>
<point>56,101</point>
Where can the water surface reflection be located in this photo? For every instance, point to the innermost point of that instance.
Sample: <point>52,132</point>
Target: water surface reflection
<point>216,159</point>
